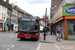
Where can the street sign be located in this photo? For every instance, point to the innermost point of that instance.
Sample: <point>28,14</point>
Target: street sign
<point>46,19</point>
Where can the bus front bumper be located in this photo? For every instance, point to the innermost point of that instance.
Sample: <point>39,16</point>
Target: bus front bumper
<point>36,36</point>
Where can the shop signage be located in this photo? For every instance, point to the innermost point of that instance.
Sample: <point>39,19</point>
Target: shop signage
<point>54,18</point>
<point>70,10</point>
<point>1,20</point>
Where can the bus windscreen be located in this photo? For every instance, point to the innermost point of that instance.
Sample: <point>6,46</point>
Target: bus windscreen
<point>28,26</point>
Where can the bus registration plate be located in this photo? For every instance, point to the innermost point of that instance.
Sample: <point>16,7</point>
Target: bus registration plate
<point>27,37</point>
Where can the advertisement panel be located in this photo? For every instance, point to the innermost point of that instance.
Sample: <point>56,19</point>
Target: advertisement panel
<point>69,10</point>
<point>54,18</point>
<point>59,13</point>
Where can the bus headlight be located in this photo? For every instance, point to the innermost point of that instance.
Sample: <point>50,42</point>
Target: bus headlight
<point>36,34</point>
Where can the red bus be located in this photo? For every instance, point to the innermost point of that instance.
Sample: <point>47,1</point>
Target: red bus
<point>28,27</point>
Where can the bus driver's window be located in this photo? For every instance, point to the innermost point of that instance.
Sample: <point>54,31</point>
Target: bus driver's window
<point>36,26</point>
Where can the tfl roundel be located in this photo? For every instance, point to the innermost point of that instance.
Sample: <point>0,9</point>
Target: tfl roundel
<point>46,19</point>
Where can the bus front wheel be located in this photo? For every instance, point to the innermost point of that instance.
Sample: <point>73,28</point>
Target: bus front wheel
<point>36,39</point>
<point>22,38</point>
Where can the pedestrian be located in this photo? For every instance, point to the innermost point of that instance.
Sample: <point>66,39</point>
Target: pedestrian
<point>48,29</point>
<point>45,30</point>
<point>15,30</point>
<point>51,31</point>
<point>58,32</point>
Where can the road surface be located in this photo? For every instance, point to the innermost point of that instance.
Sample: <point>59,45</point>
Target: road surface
<point>9,41</point>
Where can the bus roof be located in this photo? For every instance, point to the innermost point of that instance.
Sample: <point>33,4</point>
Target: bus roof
<point>32,18</point>
<point>29,17</point>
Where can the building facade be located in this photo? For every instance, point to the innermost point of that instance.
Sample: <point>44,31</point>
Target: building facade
<point>10,14</point>
<point>65,17</point>
<point>15,15</point>
<point>3,14</point>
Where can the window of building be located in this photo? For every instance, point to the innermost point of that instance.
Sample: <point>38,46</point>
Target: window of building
<point>2,7</point>
<point>73,1</point>
<point>2,15</point>
<point>71,27</point>
<point>4,0</point>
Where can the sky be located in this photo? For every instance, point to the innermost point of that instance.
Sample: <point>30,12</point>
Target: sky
<point>34,7</point>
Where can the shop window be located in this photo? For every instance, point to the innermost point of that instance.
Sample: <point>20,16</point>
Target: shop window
<point>71,27</point>
<point>0,27</point>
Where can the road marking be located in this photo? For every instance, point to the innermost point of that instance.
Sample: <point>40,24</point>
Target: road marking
<point>10,47</point>
<point>57,47</point>
<point>38,47</point>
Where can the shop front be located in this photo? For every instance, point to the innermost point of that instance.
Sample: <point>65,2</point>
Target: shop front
<point>1,25</point>
<point>71,29</point>
<point>65,17</point>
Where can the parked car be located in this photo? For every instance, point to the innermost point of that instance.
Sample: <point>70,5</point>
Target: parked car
<point>15,28</point>
<point>41,28</point>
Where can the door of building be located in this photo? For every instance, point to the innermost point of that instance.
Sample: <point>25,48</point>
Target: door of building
<point>1,27</point>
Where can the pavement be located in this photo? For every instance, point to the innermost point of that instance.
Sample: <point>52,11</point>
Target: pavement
<point>51,44</point>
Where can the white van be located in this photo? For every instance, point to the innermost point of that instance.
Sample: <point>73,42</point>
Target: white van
<point>41,28</point>
<point>15,28</point>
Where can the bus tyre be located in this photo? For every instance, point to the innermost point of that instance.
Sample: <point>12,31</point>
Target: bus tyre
<point>22,38</point>
<point>36,39</point>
